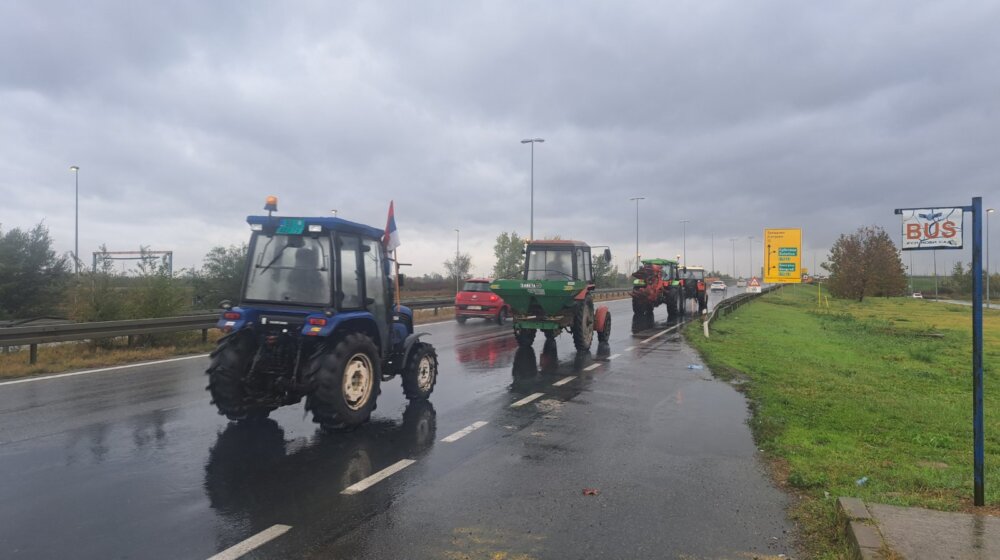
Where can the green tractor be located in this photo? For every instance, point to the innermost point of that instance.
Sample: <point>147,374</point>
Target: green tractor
<point>556,294</point>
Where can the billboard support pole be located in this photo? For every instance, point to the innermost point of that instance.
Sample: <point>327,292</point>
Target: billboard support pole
<point>977,347</point>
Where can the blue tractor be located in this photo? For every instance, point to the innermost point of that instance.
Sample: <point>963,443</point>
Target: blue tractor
<point>316,320</point>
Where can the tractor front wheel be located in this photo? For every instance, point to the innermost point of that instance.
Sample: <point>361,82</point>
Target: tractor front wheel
<point>525,337</point>
<point>346,383</point>
<point>605,333</point>
<point>421,373</point>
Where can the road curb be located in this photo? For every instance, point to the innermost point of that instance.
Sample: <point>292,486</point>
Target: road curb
<point>862,532</point>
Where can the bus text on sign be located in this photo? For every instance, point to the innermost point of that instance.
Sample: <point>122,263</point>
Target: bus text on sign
<point>932,228</point>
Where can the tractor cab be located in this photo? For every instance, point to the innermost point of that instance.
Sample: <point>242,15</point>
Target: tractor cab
<point>557,259</point>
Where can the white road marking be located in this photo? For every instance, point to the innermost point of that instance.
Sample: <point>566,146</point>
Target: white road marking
<point>374,479</point>
<point>613,356</point>
<point>564,381</point>
<point>591,367</point>
<point>527,400</point>
<point>464,431</point>
<point>261,538</point>
<point>630,348</point>
<point>127,366</point>
<point>659,334</point>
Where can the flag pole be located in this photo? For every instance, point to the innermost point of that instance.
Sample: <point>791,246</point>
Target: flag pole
<point>395,262</point>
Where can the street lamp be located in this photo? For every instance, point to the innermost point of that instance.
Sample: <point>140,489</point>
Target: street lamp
<point>988,212</point>
<point>750,253</point>
<point>457,236</point>
<point>637,199</point>
<point>684,240</point>
<point>733,241</point>
<point>532,141</point>
<point>713,252</point>
<point>76,220</point>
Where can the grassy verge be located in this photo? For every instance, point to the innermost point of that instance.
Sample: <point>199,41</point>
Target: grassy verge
<point>869,399</point>
<point>58,358</point>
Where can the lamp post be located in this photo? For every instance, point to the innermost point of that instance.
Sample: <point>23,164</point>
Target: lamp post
<point>76,220</point>
<point>750,254</point>
<point>637,199</point>
<point>684,240</point>
<point>988,212</point>
<point>532,141</point>
<point>457,237</point>
<point>713,252</point>
<point>733,241</point>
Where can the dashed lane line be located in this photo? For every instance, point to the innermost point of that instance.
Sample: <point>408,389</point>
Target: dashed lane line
<point>260,539</point>
<point>564,381</point>
<point>629,349</point>
<point>613,356</point>
<point>464,431</point>
<point>592,367</point>
<point>99,370</point>
<point>659,334</point>
<point>374,479</point>
<point>527,400</point>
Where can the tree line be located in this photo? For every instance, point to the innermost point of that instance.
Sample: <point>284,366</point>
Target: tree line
<point>36,282</point>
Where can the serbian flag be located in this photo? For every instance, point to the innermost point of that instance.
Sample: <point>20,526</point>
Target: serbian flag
<point>391,237</point>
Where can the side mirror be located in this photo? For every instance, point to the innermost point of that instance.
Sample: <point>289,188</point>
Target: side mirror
<point>226,304</point>
<point>402,280</point>
<point>607,255</point>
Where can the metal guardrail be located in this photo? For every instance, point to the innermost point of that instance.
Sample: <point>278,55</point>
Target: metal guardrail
<point>728,305</point>
<point>43,334</point>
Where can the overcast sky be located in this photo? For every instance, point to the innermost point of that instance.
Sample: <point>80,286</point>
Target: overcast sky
<point>734,115</point>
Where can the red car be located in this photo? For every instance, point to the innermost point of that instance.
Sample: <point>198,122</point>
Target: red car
<point>476,300</point>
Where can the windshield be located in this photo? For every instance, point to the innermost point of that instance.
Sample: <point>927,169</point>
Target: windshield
<point>290,268</point>
<point>695,274</point>
<point>551,264</point>
<point>476,287</point>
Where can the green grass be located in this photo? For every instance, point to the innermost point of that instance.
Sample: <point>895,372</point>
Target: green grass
<point>880,389</point>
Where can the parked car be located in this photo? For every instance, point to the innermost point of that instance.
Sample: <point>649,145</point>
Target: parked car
<point>718,286</point>
<point>476,300</point>
<point>918,295</point>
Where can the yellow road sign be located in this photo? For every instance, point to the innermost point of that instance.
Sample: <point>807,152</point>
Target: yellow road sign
<point>783,256</point>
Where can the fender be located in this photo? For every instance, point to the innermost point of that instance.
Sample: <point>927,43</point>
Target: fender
<point>599,318</point>
<point>408,345</point>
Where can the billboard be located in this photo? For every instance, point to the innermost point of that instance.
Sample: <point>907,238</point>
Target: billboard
<point>932,228</point>
<point>783,256</point>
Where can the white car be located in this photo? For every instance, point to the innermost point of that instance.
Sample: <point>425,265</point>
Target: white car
<point>918,295</point>
<point>741,283</point>
<point>718,286</point>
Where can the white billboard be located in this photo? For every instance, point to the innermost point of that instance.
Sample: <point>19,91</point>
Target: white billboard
<point>932,228</point>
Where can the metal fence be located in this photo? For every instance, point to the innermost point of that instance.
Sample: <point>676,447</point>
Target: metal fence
<point>729,305</point>
<point>42,334</point>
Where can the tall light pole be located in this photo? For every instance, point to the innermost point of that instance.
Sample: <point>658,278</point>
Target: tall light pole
<point>713,252</point>
<point>637,199</point>
<point>733,241</point>
<point>988,212</point>
<point>76,220</point>
<point>750,253</point>
<point>457,237</point>
<point>532,141</point>
<point>684,240</point>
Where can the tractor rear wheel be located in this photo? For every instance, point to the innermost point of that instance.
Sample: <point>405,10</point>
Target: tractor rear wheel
<point>227,378</point>
<point>583,325</point>
<point>421,373</point>
<point>345,383</point>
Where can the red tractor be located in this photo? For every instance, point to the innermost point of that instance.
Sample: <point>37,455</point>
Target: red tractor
<point>655,283</point>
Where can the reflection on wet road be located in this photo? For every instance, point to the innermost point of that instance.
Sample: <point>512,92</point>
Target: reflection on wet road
<point>136,463</point>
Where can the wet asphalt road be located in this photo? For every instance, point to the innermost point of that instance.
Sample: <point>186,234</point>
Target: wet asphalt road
<point>135,463</point>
